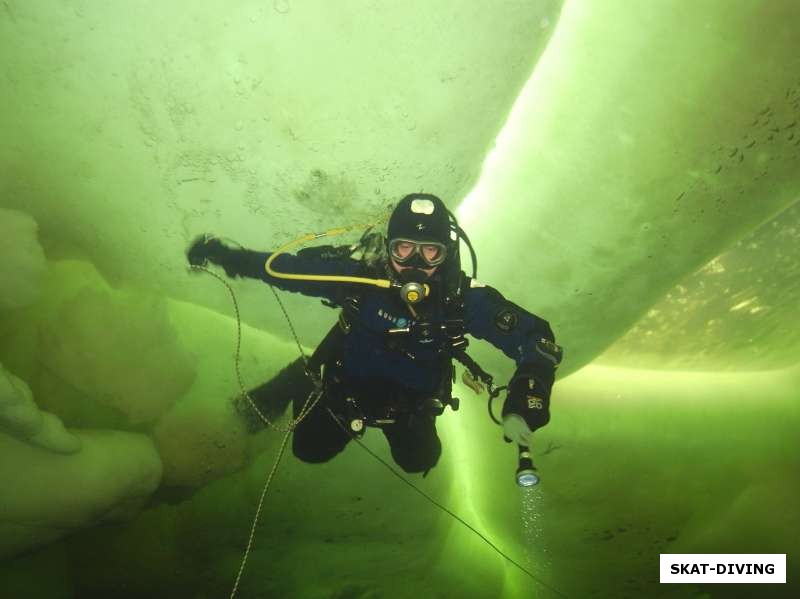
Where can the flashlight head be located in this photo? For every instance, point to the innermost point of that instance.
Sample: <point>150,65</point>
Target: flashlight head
<point>526,471</point>
<point>527,478</point>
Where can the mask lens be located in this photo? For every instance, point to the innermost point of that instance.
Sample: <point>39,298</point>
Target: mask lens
<point>432,253</point>
<point>403,250</point>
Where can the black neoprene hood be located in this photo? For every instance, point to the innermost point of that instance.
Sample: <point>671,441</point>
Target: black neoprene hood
<point>420,217</point>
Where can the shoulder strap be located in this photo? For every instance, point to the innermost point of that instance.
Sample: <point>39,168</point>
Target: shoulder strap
<point>455,328</point>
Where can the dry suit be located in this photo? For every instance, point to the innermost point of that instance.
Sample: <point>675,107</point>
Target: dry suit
<point>388,365</point>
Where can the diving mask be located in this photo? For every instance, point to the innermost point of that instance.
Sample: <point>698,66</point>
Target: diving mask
<point>430,252</point>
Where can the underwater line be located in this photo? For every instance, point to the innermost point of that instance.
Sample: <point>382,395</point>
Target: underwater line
<point>311,401</point>
<point>258,513</point>
<point>444,509</point>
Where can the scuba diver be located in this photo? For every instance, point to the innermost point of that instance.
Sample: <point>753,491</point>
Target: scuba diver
<point>388,361</point>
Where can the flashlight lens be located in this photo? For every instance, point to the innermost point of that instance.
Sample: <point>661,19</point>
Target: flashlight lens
<point>527,478</point>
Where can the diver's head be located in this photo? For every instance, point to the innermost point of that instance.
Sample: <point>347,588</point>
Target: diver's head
<point>419,236</point>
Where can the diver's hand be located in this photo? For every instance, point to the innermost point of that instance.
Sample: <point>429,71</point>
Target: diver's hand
<point>205,249</point>
<point>516,430</point>
<point>527,407</point>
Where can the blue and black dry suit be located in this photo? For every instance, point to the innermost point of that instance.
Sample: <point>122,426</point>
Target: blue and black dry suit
<point>383,364</point>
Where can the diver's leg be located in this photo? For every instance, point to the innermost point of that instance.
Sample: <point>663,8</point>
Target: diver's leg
<point>318,437</point>
<point>274,396</point>
<point>414,443</point>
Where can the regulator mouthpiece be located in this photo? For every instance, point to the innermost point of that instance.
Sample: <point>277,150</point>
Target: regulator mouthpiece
<point>413,292</point>
<point>526,471</point>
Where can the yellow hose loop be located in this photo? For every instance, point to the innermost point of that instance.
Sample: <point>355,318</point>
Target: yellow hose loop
<point>382,283</point>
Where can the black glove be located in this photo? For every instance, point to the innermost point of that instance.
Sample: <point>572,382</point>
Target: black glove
<point>527,407</point>
<point>206,249</point>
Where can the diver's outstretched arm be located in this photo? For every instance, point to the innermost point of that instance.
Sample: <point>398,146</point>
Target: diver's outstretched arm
<point>240,262</point>
<point>236,262</point>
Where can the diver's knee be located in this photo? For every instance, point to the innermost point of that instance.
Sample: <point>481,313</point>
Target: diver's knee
<point>414,464</point>
<point>314,455</point>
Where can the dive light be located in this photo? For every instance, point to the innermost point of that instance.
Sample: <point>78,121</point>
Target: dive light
<point>526,471</point>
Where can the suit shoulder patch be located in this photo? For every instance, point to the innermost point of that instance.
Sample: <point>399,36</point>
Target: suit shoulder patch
<point>506,320</point>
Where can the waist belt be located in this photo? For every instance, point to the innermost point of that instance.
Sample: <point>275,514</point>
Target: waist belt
<point>378,403</point>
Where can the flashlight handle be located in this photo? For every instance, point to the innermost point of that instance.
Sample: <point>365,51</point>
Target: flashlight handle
<point>524,458</point>
<point>526,471</point>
